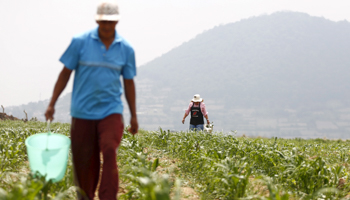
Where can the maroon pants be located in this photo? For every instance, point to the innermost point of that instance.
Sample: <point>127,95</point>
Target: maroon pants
<point>89,138</point>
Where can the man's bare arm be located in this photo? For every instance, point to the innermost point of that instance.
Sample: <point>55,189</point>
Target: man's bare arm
<point>130,95</point>
<point>61,83</point>
<point>183,120</point>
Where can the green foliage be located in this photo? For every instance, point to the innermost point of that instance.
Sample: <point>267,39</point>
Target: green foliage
<point>140,173</point>
<point>18,183</point>
<point>34,187</point>
<point>218,166</point>
<point>224,166</point>
<point>16,180</point>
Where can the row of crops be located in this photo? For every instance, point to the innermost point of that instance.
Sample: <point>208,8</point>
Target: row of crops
<point>157,164</point>
<point>227,167</point>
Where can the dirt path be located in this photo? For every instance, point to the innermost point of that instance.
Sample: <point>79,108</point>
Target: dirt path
<point>167,166</point>
<point>188,193</point>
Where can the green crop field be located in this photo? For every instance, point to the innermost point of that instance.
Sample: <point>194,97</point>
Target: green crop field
<point>164,165</point>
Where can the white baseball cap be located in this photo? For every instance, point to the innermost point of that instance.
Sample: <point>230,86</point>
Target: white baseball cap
<point>197,98</point>
<point>107,10</point>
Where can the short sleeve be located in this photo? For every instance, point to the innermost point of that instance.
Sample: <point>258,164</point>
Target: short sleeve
<point>129,69</point>
<point>187,111</point>
<point>70,57</point>
<point>203,109</point>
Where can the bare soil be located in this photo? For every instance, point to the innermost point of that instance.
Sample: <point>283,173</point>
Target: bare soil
<point>4,116</point>
<point>168,166</point>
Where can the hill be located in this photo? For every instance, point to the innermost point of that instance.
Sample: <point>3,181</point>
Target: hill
<point>283,74</point>
<point>37,109</point>
<point>257,76</point>
<point>286,58</point>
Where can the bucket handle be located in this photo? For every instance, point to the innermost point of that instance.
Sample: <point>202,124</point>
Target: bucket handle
<point>48,133</point>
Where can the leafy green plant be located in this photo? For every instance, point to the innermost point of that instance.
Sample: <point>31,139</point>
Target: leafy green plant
<point>218,166</point>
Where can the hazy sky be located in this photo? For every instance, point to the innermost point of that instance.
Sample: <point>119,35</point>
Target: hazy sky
<point>35,33</point>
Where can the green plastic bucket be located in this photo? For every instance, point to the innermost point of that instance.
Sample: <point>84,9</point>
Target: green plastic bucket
<point>48,154</point>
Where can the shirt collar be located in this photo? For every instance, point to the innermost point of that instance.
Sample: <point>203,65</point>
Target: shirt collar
<point>94,35</point>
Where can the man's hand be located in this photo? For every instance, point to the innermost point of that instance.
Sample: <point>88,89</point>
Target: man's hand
<point>61,83</point>
<point>130,95</point>
<point>134,126</point>
<point>183,120</point>
<point>49,113</point>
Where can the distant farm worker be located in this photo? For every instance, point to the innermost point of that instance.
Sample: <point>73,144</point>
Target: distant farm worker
<point>99,57</point>
<point>198,111</point>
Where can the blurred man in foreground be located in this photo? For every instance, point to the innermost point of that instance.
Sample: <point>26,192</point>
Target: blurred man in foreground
<point>99,57</point>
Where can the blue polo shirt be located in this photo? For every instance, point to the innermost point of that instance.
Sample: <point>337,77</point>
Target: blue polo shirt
<point>97,88</point>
